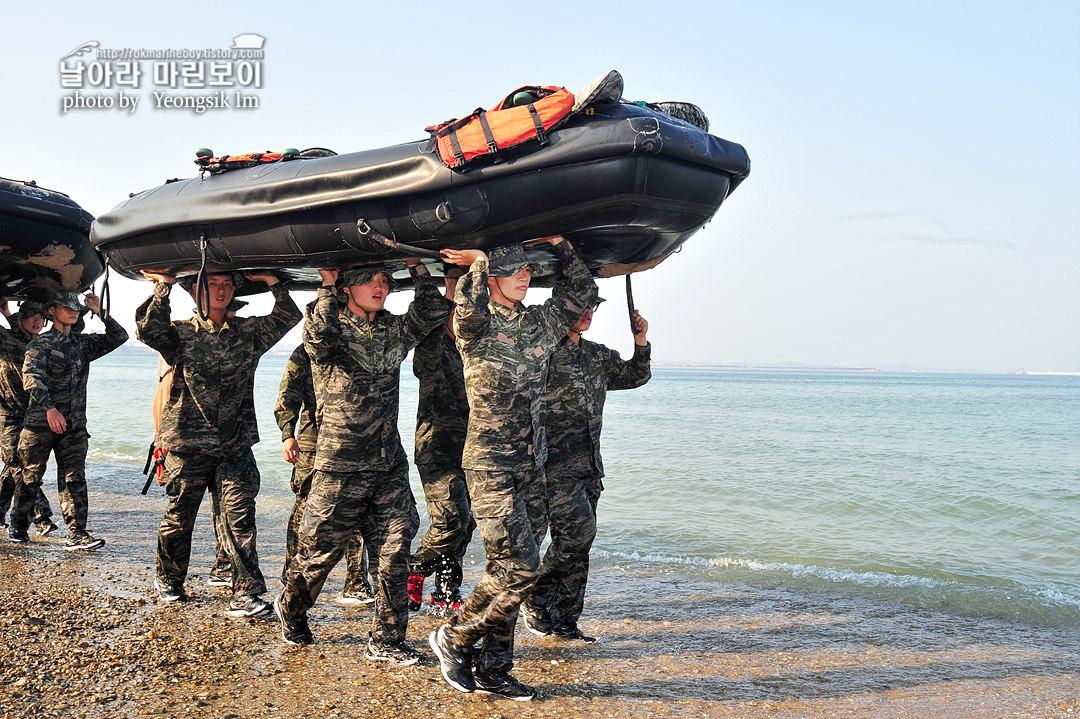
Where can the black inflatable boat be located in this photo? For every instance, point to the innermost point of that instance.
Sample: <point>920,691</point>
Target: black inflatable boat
<point>627,184</point>
<point>44,242</point>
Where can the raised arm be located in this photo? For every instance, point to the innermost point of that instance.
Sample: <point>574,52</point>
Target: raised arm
<point>428,310</point>
<point>153,320</point>
<point>102,344</point>
<point>471,313</point>
<point>115,335</point>
<point>269,329</point>
<point>571,296</point>
<point>322,330</point>
<point>628,374</point>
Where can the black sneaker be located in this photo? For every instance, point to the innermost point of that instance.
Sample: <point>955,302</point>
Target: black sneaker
<point>537,619</point>
<point>48,527</point>
<point>398,653</point>
<point>570,630</point>
<point>80,541</point>
<point>293,631</point>
<point>501,684</point>
<point>170,591</point>
<point>455,662</point>
<point>17,536</point>
<point>251,605</point>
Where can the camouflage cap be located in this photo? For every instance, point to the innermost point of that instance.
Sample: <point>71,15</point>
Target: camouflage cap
<point>67,299</point>
<point>509,260</point>
<point>188,283</point>
<point>29,308</point>
<point>363,275</point>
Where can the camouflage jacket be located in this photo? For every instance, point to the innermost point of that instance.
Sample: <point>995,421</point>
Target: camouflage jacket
<point>295,408</point>
<point>505,352</point>
<point>356,368</point>
<point>13,396</point>
<point>579,378</point>
<point>56,369</point>
<point>442,412</point>
<point>211,408</point>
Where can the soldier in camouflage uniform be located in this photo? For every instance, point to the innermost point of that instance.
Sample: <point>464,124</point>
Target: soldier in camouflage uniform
<point>442,418</point>
<point>361,474</point>
<point>55,373</point>
<point>505,347</point>
<point>208,427</point>
<point>220,574</point>
<point>25,324</point>
<point>295,416</point>
<point>580,375</point>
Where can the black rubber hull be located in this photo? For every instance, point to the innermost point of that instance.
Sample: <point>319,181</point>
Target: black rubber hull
<point>628,186</point>
<point>44,242</point>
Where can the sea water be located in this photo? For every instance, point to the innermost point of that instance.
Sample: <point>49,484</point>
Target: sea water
<point>956,492</point>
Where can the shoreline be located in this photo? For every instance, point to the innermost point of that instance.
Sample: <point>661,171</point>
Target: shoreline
<point>85,637</point>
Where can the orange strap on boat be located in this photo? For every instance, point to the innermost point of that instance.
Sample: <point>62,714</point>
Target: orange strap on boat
<point>218,165</point>
<point>528,113</point>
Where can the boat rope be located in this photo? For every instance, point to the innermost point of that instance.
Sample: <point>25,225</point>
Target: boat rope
<point>105,296</point>
<point>367,232</point>
<point>630,305</point>
<point>202,283</point>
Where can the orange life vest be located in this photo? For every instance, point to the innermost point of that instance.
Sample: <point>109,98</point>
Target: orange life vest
<point>486,132</point>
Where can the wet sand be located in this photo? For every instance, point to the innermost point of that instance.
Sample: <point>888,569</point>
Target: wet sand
<point>84,637</point>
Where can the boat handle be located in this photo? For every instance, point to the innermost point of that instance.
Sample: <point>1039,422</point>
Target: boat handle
<point>368,232</point>
<point>105,296</point>
<point>630,305</point>
<point>202,283</point>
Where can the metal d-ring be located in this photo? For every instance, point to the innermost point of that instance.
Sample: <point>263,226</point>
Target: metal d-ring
<point>442,212</point>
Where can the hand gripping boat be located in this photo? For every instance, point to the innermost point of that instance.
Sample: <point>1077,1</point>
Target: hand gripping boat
<point>627,184</point>
<point>44,242</point>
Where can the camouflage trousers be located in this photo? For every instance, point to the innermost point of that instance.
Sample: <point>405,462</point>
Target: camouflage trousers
<point>70,449</point>
<point>444,544</point>
<point>222,563</point>
<point>11,477</point>
<point>233,484</point>
<point>356,559</point>
<point>382,507</point>
<point>511,517</point>
<point>564,571</point>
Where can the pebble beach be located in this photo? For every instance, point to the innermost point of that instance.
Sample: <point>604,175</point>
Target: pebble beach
<point>84,636</point>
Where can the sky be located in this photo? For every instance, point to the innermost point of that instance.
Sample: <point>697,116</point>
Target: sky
<point>913,204</point>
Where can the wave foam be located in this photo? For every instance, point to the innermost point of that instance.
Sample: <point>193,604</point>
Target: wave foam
<point>1048,595</point>
<point>104,455</point>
